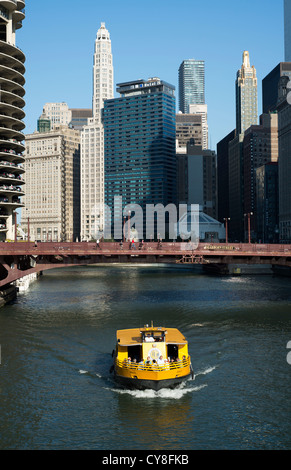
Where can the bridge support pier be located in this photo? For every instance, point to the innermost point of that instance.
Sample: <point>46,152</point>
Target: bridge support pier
<point>7,294</point>
<point>221,269</point>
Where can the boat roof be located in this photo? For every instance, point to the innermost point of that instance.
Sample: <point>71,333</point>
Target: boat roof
<point>133,336</point>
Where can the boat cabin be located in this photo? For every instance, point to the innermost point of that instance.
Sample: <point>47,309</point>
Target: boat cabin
<point>151,343</point>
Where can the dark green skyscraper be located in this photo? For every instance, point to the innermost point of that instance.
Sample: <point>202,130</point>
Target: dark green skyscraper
<point>139,144</point>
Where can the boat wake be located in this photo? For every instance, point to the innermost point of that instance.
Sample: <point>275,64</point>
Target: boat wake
<point>175,393</point>
<point>92,374</point>
<point>208,370</point>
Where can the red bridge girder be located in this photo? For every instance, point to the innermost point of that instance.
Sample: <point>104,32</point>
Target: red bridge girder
<point>22,258</point>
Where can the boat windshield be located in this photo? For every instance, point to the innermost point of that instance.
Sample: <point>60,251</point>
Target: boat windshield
<point>153,336</point>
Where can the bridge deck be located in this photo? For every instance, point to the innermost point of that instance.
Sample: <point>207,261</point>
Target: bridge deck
<point>166,248</point>
<point>22,258</point>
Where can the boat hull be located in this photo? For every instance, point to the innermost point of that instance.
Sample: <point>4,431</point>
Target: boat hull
<point>146,384</point>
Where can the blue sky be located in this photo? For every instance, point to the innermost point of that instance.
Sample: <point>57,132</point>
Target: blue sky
<point>149,38</point>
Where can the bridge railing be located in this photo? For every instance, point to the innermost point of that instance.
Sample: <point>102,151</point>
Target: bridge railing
<point>21,247</point>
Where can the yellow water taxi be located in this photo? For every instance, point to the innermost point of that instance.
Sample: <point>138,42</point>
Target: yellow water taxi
<point>151,358</point>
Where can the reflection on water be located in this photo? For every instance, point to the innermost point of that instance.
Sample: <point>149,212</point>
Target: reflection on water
<point>56,391</point>
<point>157,421</point>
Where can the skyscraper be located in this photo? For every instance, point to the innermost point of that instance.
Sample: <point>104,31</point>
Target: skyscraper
<point>139,141</point>
<point>246,95</point>
<point>284,170</point>
<point>260,147</point>
<point>287,30</point>
<point>201,109</point>
<point>12,102</point>
<point>52,199</point>
<point>102,72</point>
<point>80,117</point>
<point>92,140</point>
<point>223,176</point>
<point>235,188</point>
<point>188,128</point>
<point>270,86</point>
<point>197,178</point>
<point>58,113</point>
<point>191,84</point>
<point>246,115</point>
<point>267,203</point>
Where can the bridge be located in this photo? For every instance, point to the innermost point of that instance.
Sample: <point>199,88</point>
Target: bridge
<point>19,259</point>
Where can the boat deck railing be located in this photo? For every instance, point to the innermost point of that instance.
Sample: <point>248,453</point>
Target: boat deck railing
<point>143,365</point>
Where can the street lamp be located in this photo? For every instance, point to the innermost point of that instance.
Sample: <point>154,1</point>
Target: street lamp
<point>249,224</point>
<point>15,227</point>
<point>226,219</point>
<point>28,228</point>
<point>128,228</point>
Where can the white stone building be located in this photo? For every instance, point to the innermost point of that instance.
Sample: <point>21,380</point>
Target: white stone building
<point>58,113</point>
<point>92,140</point>
<point>52,199</point>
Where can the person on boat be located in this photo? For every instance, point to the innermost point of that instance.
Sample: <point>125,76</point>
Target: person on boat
<point>179,361</point>
<point>148,361</point>
<point>127,362</point>
<point>167,363</point>
<point>140,365</point>
<point>149,338</point>
<point>133,244</point>
<point>161,360</point>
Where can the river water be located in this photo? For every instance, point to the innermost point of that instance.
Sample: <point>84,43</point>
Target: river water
<point>56,391</point>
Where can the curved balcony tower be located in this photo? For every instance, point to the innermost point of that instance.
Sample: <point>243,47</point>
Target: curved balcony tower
<point>11,116</point>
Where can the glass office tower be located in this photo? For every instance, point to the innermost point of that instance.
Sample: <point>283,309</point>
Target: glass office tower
<point>191,84</point>
<point>139,145</point>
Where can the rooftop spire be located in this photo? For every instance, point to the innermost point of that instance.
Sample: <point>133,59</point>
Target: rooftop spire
<point>103,33</point>
<point>246,59</point>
